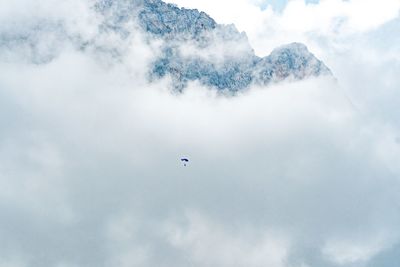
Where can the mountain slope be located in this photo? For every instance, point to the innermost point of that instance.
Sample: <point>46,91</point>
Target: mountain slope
<point>197,48</point>
<point>192,46</point>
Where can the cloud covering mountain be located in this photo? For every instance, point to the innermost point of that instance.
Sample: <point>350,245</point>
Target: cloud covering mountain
<point>193,46</point>
<point>293,174</point>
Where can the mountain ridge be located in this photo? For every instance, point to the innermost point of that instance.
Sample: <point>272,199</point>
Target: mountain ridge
<point>192,45</point>
<point>239,67</point>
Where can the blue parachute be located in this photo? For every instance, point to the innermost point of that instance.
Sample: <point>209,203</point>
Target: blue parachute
<point>185,161</point>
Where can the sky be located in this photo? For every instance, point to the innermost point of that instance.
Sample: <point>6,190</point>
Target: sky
<point>294,174</point>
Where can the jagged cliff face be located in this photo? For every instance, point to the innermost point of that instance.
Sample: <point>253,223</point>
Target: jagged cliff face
<point>196,48</point>
<point>193,46</point>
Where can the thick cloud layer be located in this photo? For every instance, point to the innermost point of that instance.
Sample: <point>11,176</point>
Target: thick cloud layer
<point>291,175</point>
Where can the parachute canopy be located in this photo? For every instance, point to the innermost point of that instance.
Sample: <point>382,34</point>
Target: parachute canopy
<point>185,161</point>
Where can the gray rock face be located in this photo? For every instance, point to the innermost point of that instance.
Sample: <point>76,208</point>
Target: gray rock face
<point>289,61</point>
<point>168,21</point>
<point>197,48</point>
<point>193,46</point>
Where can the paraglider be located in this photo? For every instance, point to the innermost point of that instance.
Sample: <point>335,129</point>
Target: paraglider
<point>185,161</point>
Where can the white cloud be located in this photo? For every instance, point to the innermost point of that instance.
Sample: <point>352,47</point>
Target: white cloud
<point>296,174</point>
<point>353,251</point>
<point>331,19</point>
<point>211,244</point>
<point>6,262</point>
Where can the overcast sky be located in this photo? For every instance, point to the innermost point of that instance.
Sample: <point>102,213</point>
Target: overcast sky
<point>297,174</point>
